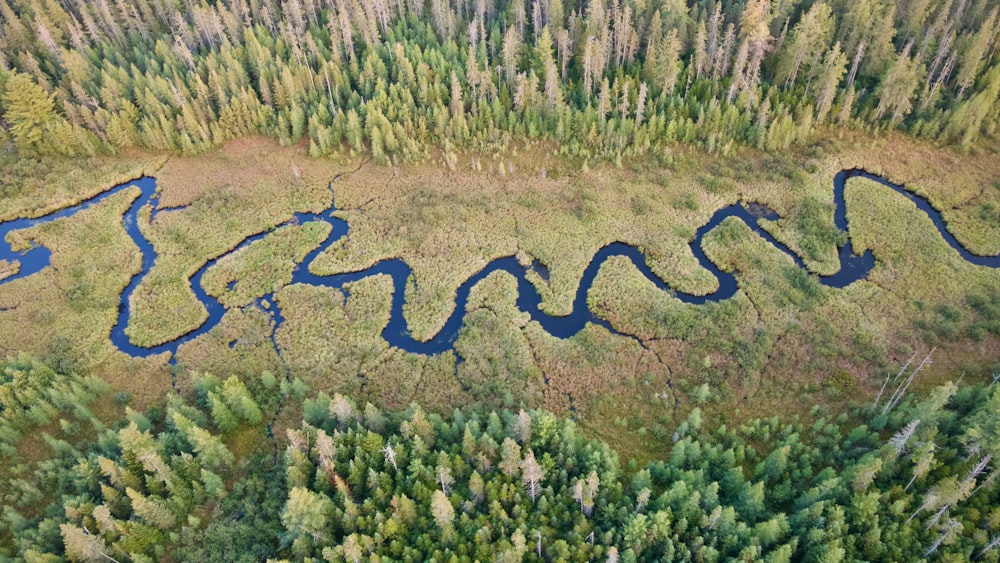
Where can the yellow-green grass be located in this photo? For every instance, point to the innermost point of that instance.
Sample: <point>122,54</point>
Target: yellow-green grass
<point>332,340</point>
<point>787,303</point>
<point>77,294</point>
<point>242,189</point>
<point>498,367</point>
<point>784,183</point>
<point>31,188</point>
<point>264,265</point>
<point>623,296</point>
<point>964,187</point>
<point>805,331</point>
<point>66,312</point>
<point>335,344</point>
<point>916,267</point>
<point>915,262</point>
<point>239,345</point>
<point>421,213</point>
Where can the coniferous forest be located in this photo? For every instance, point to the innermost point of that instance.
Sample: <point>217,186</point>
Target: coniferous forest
<point>603,78</point>
<point>240,445</point>
<point>351,483</point>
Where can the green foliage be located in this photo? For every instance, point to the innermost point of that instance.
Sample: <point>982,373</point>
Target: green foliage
<point>814,219</point>
<point>34,123</point>
<point>839,383</point>
<point>987,314</point>
<point>28,109</point>
<point>604,82</point>
<point>687,202</point>
<point>355,483</point>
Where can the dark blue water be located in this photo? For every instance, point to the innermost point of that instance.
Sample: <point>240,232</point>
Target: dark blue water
<point>396,333</point>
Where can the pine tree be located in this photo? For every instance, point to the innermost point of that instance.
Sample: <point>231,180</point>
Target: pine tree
<point>973,56</point>
<point>806,45</point>
<point>211,451</point>
<point>442,510</point>
<point>238,398</point>
<point>28,109</point>
<point>510,457</point>
<point>895,92</point>
<point>84,546</point>
<point>224,418</point>
<point>834,67</point>
<point>522,427</point>
<point>543,53</point>
<point>755,33</point>
<point>307,513</point>
<point>153,510</point>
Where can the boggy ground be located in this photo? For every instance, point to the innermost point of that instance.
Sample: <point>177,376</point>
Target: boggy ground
<point>783,341</point>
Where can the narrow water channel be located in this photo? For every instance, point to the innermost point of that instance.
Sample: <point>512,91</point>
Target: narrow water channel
<point>852,268</point>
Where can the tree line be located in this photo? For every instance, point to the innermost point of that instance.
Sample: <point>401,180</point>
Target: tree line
<point>211,474</point>
<point>604,78</point>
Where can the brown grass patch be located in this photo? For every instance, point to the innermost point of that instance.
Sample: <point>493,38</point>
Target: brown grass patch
<point>9,268</point>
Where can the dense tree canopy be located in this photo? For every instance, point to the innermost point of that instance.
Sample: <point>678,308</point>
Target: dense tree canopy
<point>603,78</point>
<point>344,483</point>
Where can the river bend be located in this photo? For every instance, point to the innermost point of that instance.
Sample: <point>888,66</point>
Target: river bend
<point>396,333</point>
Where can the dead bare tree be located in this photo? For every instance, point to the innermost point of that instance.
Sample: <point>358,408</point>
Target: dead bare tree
<point>897,395</point>
<point>888,376</point>
<point>990,546</point>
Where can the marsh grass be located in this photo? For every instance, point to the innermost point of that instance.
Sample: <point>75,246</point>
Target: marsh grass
<point>241,189</point>
<point>424,212</point>
<point>330,338</point>
<point>239,345</point>
<point>334,342</point>
<point>786,325</point>
<point>499,369</point>
<point>9,268</point>
<point>892,227</point>
<point>264,266</point>
<point>31,188</point>
<point>938,297</point>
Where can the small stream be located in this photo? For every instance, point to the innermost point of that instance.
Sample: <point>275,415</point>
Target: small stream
<point>396,333</point>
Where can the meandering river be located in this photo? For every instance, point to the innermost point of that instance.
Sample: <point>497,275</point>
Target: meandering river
<point>396,333</point>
